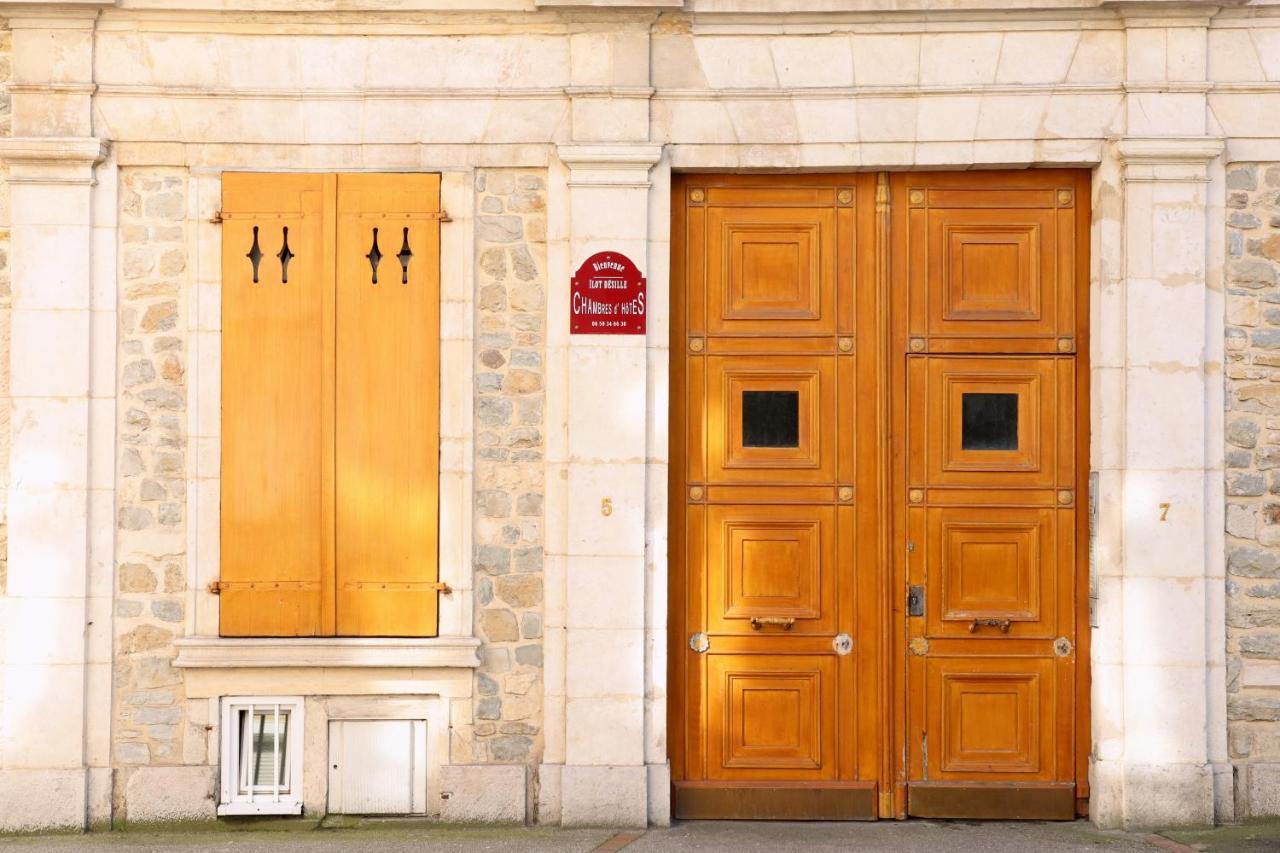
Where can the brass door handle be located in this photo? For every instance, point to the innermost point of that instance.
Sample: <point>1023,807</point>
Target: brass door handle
<point>1002,624</point>
<point>758,622</point>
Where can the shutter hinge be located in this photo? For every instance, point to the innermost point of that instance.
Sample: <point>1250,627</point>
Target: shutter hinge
<point>443,587</point>
<point>215,587</point>
<point>216,219</point>
<point>443,215</point>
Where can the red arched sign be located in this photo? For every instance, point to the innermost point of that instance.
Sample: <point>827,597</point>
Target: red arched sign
<point>607,297</point>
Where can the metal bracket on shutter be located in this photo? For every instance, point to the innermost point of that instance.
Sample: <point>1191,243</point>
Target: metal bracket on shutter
<point>215,587</point>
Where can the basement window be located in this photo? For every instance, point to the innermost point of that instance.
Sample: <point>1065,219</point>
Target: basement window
<point>261,755</point>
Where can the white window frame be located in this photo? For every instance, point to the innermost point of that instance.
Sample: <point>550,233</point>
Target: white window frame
<point>279,802</point>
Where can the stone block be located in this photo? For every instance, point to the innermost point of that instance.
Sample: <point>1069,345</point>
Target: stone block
<point>549,794</point>
<point>604,796</point>
<point>1262,790</point>
<point>1168,795</point>
<point>42,800</point>
<point>659,776</point>
<point>167,794</point>
<point>478,793</point>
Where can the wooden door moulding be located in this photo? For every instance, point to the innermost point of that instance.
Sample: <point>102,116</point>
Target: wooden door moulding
<point>1010,308</point>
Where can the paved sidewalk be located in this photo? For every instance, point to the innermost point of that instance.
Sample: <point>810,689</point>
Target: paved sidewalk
<point>731,837</point>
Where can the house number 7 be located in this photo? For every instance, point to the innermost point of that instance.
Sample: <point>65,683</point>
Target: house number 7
<point>1164,512</point>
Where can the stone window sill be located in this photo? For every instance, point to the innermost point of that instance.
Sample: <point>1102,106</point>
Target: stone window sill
<point>416,653</point>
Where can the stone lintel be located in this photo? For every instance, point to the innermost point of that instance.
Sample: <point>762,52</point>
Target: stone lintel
<point>426,653</point>
<point>52,159</point>
<point>1175,159</point>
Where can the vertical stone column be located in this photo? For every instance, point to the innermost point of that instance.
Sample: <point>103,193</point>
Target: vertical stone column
<point>597,398</point>
<point>604,778</point>
<point>56,676</point>
<point>1158,652</point>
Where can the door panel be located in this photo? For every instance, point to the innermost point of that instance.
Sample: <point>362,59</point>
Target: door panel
<point>773,562</point>
<point>983,564</point>
<point>772,716</point>
<point>990,363</point>
<point>994,720</point>
<point>991,422</point>
<point>995,266</point>
<point>771,271</point>
<point>771,418</point>
<point>771,670</point>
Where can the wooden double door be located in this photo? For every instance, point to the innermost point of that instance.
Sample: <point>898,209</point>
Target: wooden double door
<point>878,441</point>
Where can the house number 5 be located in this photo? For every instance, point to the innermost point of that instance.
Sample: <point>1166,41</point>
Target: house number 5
<point>1164,512</point>
<point>606,506</point>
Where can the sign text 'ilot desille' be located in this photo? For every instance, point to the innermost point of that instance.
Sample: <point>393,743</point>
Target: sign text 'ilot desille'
<point>607,297</point>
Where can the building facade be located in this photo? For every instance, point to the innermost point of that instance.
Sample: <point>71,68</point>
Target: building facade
<point>298,435</point>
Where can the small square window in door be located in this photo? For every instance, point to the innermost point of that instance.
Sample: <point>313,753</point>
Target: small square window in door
<point>989,422</point>
<point>770,419</point>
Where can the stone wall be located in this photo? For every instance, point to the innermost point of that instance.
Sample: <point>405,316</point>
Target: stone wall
<point>509,438</point>
<point>1253,483</point>
<point>150,720</point>
<point>6,46</point>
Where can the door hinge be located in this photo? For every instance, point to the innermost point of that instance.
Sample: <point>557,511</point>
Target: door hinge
<point>915,601</point>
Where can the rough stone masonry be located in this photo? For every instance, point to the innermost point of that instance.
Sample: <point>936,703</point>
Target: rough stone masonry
<point>510,444</point>
<point>1253,479</point>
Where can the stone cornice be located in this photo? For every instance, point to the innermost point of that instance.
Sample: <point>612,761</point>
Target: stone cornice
<point>1176,159</point>
<point>1169,149</point>
<point>609,4</point>
<point>610,165</point>
<point>52,159</point>
<point>29,12</point>
<point>333,652</point>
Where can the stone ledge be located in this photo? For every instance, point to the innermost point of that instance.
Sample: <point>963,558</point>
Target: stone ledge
<point>231,653</point>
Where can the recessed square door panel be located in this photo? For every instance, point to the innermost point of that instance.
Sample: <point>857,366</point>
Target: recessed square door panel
<point>771,419</point>
<point>991,422</point>
<point>773,562</point>
<point>771,272</point>
<point>771,716</point>
<point>994,719</point>
<point>986,563</point>
<point>993,274</point>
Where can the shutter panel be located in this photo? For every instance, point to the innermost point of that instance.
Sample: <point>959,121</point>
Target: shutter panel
<point>387,404</point>
<point>277,404</point>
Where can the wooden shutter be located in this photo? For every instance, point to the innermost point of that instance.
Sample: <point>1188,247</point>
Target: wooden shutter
<point>388,403</point>
<point>330,405</point>
<point>277,406</point>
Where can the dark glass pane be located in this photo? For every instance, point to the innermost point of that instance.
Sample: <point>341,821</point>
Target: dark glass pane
<point>770,418</point>
<point>990,422</point>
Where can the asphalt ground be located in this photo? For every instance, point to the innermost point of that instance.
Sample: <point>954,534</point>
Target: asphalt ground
<point>916,836</point>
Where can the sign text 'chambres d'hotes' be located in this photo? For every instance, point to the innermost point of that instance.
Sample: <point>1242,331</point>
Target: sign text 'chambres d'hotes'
<point>607,297</point>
